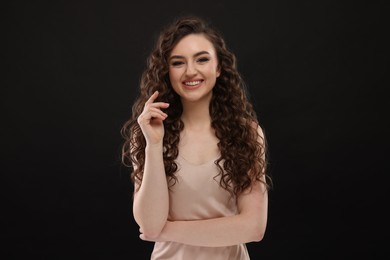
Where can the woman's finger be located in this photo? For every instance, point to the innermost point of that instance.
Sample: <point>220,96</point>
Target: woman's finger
<point>159,105</point>
<point>145,118</point>
<point>147,112</point>
<point>151,114</point>
<point>152,98</point>
<point>156,110</point>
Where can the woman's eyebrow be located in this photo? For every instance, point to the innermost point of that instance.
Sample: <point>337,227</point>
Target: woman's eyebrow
<point>195,55</point>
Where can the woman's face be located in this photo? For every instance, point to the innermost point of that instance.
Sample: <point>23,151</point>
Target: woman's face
<point>193,68</point>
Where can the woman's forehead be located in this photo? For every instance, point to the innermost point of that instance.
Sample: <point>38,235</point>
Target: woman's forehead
<point>192,44</point>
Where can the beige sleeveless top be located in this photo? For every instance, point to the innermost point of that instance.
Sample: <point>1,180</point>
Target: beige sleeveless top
<point>197,195</point>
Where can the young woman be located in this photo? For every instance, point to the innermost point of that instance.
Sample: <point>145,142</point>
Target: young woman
<point>197,150</point>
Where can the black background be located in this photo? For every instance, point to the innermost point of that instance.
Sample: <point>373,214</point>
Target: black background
<point>314,70</point>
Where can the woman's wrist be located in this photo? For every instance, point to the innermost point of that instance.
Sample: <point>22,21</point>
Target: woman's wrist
<point>153,147</point>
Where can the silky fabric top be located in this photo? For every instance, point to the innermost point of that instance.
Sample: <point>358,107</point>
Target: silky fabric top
<point>197,195</point>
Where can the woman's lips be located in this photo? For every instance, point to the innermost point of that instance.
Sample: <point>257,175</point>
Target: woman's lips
<point>193,84</point>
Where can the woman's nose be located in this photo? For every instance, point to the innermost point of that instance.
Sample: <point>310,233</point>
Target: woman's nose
<point>190,70</point>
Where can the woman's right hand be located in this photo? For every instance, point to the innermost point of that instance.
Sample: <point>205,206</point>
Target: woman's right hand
<point>151,120</point>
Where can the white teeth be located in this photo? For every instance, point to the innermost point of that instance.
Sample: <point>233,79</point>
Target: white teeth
<point>192,83</point>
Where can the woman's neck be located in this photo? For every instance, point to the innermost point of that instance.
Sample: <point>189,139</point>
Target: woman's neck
<point>196,115</point>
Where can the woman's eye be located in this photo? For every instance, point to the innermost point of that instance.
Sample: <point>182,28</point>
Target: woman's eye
<point>204,59</point>
<point>177,63</point>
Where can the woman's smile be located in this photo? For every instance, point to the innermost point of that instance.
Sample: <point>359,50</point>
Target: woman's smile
<point>193,84</point>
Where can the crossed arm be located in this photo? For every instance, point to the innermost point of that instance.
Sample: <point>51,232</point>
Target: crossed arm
<point>247,226</point>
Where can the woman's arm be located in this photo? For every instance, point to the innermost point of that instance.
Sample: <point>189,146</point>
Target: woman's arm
<point>248,225</point>
<point>151,200</point>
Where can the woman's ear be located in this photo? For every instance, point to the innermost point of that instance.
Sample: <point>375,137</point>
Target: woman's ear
<point>218,70</point>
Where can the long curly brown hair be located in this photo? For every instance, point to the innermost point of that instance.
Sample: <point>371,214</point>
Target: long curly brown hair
<point>243,157</point>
